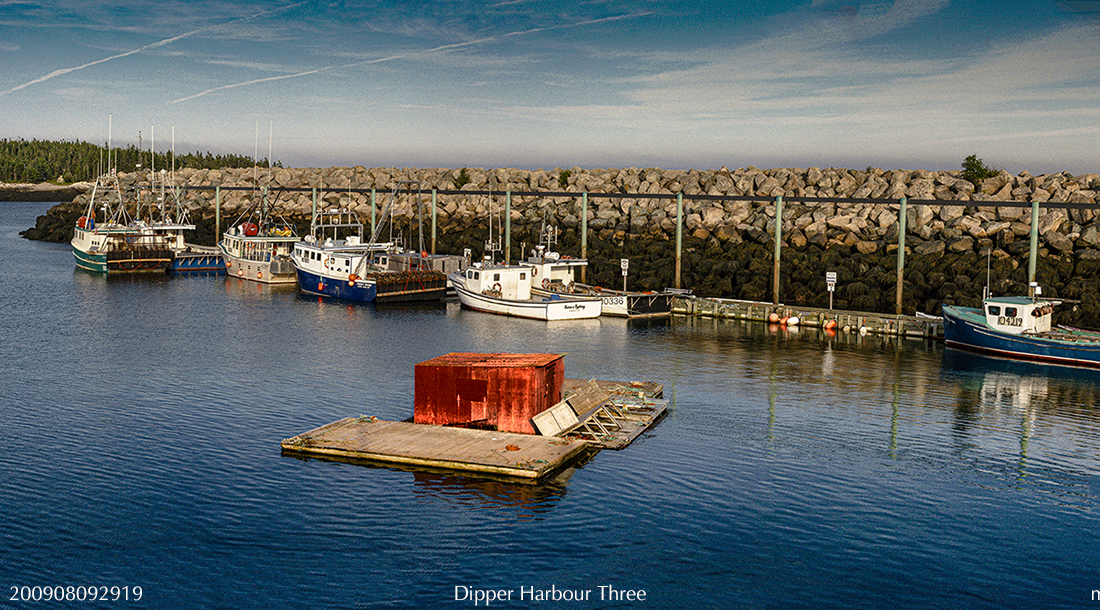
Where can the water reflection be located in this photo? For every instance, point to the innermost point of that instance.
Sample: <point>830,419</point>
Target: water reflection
<point>528,500</point>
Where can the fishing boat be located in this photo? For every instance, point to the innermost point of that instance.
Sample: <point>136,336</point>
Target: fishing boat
<point>336,261</point>
<point>554,274</point>
<point>506,290</point>
<point>121,241</point>
<point>259,244</point>
<point>1019,327</point>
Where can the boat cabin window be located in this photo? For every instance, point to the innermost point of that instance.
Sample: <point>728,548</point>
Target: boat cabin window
<point>994,310</point>
<point>496,277</point>
<point>1010,312</point>
<point>522,276</point>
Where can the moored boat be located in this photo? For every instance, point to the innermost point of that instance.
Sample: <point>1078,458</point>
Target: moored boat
<point>553,274</point>
<point>506,290</point>
<point>1019,327</point>
<point>121,243</point>
<point>258,246</point>
<point>335,261</point>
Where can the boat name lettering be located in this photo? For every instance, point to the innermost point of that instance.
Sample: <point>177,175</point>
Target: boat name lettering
<point>1007,321</point>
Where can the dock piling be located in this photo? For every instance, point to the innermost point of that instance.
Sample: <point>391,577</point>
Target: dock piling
<point>901,253</point>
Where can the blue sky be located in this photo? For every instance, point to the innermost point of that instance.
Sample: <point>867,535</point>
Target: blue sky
<point>599,83</point>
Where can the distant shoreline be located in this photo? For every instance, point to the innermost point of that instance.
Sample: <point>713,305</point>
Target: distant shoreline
<point>44,191</point>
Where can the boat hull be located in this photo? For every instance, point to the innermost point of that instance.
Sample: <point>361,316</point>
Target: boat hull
<point>963,329</point>
<point>563,309</point>
<point>312,283</point>
<point>279,271</point>
<point>123,261</point>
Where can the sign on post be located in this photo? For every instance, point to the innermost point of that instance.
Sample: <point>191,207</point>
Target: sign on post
<point>625,264</point>
<point>830,283</point>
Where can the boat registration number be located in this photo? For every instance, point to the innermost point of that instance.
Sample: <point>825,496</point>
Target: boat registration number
<point>1007,321</point>
<point>614,301</point>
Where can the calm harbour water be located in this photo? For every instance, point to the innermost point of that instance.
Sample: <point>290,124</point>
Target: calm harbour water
<point>143,418</point>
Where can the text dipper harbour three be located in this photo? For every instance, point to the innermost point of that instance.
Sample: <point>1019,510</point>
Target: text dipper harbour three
<point>553,594</point>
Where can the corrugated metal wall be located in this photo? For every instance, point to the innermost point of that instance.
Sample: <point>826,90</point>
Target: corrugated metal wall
<point>496,390</point>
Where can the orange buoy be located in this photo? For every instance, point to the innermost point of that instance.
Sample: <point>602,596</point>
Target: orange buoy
<point>228,264</point>
<point>320,285</point>
<point>259,275</point>
<point>831,324</point>
<point>773,318</point>
<point>240,272</point>
<point>783,320</point>
<point>424,254</point>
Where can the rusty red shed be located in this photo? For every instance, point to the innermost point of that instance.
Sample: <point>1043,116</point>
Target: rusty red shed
<point>502,391</point>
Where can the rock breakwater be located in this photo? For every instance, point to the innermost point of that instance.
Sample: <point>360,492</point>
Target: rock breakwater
<point>833,219</point>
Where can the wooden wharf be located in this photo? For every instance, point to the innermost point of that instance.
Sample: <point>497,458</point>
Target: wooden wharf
<point>503,454</point>
<point>601,415</point>
<point>878,323</point>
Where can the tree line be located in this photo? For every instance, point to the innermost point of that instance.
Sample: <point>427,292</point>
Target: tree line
<point>67,162</point>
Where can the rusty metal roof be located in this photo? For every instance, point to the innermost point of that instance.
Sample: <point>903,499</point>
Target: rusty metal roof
<point>497,360</point>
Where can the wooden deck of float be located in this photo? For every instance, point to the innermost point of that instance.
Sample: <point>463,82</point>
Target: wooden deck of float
<point>505,454</point>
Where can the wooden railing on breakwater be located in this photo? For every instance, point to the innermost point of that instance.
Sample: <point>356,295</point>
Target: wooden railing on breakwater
<point>778,201</point>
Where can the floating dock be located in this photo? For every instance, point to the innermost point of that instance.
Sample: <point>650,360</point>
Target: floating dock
<point>507,454</point>
<point>879,323</point>
<point>194,258</point>
<point>594,415</point>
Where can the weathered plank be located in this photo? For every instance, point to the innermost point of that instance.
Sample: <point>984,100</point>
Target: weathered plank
<point>489,452</point>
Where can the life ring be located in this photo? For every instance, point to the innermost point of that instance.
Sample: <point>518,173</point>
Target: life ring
<point>327,261</point>
<point>497,287</point>
<point>545,283</point>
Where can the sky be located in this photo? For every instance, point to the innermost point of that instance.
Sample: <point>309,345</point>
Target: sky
<point>680,84</point>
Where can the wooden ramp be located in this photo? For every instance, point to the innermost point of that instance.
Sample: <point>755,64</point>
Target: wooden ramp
<point>598,413</point>
<point>505,454</point>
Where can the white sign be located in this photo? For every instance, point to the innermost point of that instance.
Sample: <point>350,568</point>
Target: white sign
<point>624,263</point>
<point>830,280</point>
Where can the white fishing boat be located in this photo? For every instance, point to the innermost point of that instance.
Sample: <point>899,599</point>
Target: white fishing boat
<point>554,274</point>
<point>506,290</point>
<point>258,246</point>
<point>109,238</point>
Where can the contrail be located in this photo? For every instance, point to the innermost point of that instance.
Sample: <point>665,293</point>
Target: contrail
<point>447,47</point>
<point>64,71</point>
<point>439,49</point>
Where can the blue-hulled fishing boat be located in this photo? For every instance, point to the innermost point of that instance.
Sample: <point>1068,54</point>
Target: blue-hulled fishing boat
<point>1019,327</point>
<point>335,261</point>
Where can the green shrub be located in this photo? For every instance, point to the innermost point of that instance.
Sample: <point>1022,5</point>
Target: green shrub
<point>463,178</point>
<point>974,170</point>
<point>563,178</point>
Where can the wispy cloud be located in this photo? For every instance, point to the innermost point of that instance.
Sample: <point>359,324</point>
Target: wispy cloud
<point>441,49</point>
<point>159,43</point>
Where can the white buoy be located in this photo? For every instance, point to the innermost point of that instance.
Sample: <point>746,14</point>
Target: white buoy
<point>792,321</point>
